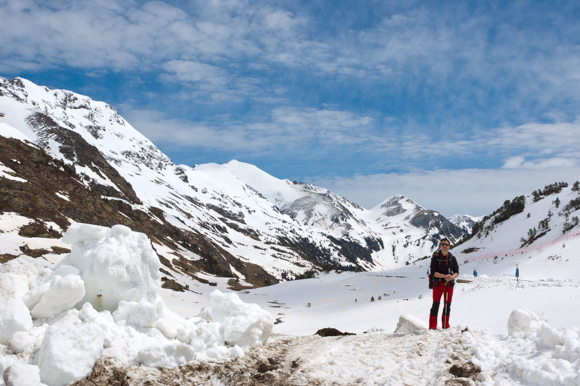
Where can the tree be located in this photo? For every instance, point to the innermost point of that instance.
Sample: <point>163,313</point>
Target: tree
<point>557,202</point>
<point>569,225</point>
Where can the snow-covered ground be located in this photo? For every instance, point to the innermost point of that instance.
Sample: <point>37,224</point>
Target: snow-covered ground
<point>503,332</point>
<point>546,353</point>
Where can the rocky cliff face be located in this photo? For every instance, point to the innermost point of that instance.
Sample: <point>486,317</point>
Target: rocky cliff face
<point>68,158</point>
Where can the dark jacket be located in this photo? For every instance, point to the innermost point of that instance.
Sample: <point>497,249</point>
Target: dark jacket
<point>444,264</point>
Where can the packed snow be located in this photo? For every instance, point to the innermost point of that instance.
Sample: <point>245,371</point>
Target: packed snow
<point>103,300</point>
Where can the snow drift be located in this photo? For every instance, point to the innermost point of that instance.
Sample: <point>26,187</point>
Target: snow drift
<point>102,300</point>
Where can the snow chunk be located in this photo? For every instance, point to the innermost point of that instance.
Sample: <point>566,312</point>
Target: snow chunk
<point>242,324</point>
<point>409,324</point>
<point>60,292</point>
<point>22,341</point>
<point>522,320</point>
<point>141,314</point>
<point>549,337</point>
<point>12,285</point>
<point>170,355</point>
<point>14,317</point>
<point>174,327</point>
<point>68,353</point>
<point>19,275</point>
<point>115,263</point>
<point>21,374</point>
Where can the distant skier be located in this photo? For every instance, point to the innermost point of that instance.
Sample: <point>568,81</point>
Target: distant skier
<point>475,272</point>
<point>445,269</point>
<point>517,274</point>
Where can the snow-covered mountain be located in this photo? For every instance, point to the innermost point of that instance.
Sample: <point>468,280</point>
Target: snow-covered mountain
<point>231,220</point>
<point>411,230</point>
<point>526,223</point>
<point>465,221</point>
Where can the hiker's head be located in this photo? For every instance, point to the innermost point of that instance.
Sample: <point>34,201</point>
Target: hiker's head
<point>444,245</point>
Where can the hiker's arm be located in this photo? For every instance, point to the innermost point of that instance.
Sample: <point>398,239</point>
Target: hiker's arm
<point>447,277</point>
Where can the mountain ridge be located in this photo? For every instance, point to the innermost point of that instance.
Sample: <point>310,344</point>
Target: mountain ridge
<point>249,217</point>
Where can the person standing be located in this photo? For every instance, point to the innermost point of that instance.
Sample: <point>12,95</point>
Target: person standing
<point>475,272</point>
<point>517,274</point>
<point>445,269</point>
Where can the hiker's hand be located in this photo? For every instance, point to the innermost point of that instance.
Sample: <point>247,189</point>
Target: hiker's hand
<point>448,277</point>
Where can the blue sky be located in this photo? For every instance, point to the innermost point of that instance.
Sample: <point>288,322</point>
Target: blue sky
<point>457,105</point>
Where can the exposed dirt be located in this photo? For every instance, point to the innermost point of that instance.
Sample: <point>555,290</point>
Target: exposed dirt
<point>298,361</point>
<point>45,181</point>
<point>465,370</point>
<point>260,367</point>
<point>6,257</point>
<point>329,331</point>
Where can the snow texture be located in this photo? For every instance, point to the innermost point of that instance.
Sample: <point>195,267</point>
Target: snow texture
<point>102,300</point>
<point>504,332</point>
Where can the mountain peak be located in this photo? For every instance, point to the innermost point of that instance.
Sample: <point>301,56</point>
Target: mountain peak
<point>397,205</point>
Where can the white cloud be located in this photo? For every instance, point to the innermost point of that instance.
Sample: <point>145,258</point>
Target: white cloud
<point>291,129</point>
<point>412,46</point>
<point>540,164</point>
<point>280,20</point>
<point>513,163</point>
<point>469,191</point>
<point>544,138</point>
<point>196,72</point>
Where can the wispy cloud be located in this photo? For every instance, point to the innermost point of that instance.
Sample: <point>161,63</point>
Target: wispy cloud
<point>293,131</point>
<point>375,88</point>
<point>541,164</point>
<point>476,192</point>
<point>407,48</point>
<point>188,71</point>
<point>289,128</point>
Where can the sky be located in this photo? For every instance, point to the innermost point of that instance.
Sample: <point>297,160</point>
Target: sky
<point>456,105</point>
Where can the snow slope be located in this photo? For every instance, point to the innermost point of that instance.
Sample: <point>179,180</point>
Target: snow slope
<point>545,351</point>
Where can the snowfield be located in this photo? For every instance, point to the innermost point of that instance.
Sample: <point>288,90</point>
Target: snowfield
<point>56,331</point>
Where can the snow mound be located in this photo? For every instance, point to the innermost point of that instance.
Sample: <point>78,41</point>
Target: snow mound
<point>242,324</point>
<point>14,317</point>
<point>410,324</point>
<point>22,374</point>
<point>69,352</point>
<point>522,320</point>
<point>102,300</point>
<point>116,264</point>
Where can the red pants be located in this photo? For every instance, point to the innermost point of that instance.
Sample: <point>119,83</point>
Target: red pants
<point>446,291</point>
